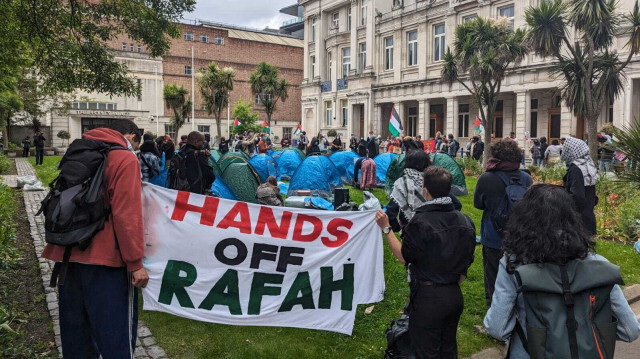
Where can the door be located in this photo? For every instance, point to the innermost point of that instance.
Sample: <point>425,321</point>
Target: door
<point>436,124</point>
<point>581,131</point>
<point>555,121</point>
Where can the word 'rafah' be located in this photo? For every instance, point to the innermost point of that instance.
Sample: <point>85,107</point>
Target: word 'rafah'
<point>240,217</point>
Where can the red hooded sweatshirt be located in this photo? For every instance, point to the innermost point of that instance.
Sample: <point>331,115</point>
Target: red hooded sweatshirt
<point>123,184</point>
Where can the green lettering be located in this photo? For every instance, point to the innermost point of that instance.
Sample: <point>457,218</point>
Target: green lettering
<point>217,295</point>
<point>328,286</point>
<point>174,284</point>
<point>301,284</point>
<point>258,289</point>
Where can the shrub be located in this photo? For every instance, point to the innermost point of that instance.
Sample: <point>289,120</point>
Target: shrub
<point>469,166</point>
<point>5,164</point>
<point>8,205</point>
<point>332,133</point>
<point>618,210</point>
<point>64,135</point>
<point>550,174</point>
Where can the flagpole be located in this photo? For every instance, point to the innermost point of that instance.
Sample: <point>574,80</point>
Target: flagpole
<point>228,119</point>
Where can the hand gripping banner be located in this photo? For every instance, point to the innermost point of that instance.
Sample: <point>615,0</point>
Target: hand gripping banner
<point>238,263</point>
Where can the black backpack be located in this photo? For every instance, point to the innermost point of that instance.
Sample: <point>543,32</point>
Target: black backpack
<point>75,208</point>
<point>178,173</point>
<point>514,190</point>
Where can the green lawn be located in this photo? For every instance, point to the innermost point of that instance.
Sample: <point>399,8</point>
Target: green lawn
<point>183,338</point>
<point>48,171</point>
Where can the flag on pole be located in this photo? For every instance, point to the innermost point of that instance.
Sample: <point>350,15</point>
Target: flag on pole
<point>237,122</point>
<point>479,126</point>
<point>395,124</point>
<point>298,130</point>
<point>265,127</point>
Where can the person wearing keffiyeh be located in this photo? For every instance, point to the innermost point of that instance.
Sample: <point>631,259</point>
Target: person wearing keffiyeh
<point>580,180</point>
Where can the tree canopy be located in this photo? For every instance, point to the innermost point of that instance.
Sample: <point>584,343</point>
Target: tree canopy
<point>215,85</point>
<point>268,87</point>
<point>243,111</point>
<point>176,98</point>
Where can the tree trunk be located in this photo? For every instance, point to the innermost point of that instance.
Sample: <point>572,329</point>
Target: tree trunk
<point>218,125</point>
<point>488,128</point>
<point>592,135</point>
<point>269,120</point>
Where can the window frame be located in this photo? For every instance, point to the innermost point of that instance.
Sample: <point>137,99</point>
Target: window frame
<point>313,29</point>
<point>312,61</point>
<point>412,48</point>
<point>344,105</point>
<point>202,127</point>
<point>349,18</point>
<point>124,46</point>
<point>204,37</point>
<point>335,20</point>
<point>364,6</point>
<point>346,61</point>
<point>188,36</point>
<point>362,61</point>
<point>388,53</point>
<point>464,116</point>
<point>218,40</point>
<point>439,42</point>
<point>188,70</point>
<point>512,18</point>
<point>328,113</point>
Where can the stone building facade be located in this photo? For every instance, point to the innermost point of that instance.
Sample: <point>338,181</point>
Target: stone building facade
<point>363,57</point>
<point>240,48</point>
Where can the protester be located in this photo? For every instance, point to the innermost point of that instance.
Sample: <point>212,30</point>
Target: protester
<point>167,147</point>
<point>438,243</point>
<point>553,153</point>
<point>353,143</point>
<point>512,136</point>
<point>207,142</point>
<point>223,146</point>
<point>580,180</point>
<point>442,146</point>
<point>183,141</point>
<point>543,149</point>
<point>303,142</point>
<point>263,146</point>
<point>503,170</point>
<point>476,149</point>
<point>368,179</point>
<point>419,142</point>
<point>149,161</point>
<point>545,228</point>
<point>406,196</point>
<point>284,142</point>
<point>190,170</point>
<point>336,145</point>
<point>409,145</point>
<point>38,142</point>
<point>536,153</point>
<point>98,307</point>
<point>605,152</point>
<point>453,146</point>
<point>26,145</point>
<point>268,193</point>
<point>362,148</point>
<point>372,145</point>
<point>313,147</point>
<point>238,146</point>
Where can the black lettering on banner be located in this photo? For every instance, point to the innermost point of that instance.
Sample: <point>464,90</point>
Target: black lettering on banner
<point>240,247</point>
<point>287,258</point>
<point>263,251</point>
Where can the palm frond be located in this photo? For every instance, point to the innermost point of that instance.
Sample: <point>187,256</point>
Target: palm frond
<point>546,26</point>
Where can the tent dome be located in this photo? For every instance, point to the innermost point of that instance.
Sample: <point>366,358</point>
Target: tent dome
<point>345,163</point>
<point>288,161</point>
<point>264,165</point>
<point>383,161</point>
<point>315,173</point>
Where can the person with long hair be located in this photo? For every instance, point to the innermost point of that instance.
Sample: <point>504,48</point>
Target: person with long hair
<point>580,180</point>
<point>544,227</point>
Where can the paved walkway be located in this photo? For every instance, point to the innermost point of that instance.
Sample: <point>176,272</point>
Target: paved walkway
<point>146,347</point>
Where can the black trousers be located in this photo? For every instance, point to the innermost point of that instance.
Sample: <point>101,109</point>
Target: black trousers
<point>25,152</point>
<point>435,312</point>
<point>39,155</point>
<point>356,169</point>
<point>490,263</point>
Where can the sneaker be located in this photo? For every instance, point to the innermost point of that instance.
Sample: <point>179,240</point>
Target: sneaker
<point>481,329</point>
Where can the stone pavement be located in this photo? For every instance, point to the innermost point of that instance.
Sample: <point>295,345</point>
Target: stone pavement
<point>146,347</point>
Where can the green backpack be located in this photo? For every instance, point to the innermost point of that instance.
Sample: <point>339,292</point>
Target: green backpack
<point>568,309</point>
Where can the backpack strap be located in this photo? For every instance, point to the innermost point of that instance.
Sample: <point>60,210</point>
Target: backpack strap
<point>144,160</point>
<point>59,272</point>
<point>572,324</point>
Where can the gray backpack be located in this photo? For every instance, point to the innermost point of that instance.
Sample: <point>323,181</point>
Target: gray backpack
<point>568,309</point>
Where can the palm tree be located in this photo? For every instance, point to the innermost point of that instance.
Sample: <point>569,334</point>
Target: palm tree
<point>268,87</point>
<point>215,85</point>
<point>176,98</point>
<point>483,51</point>
<point>593,75</point>
<point>628,142</point>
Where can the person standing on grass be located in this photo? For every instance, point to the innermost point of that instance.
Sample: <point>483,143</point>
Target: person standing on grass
<point>438,244</point>
<point>98,302</point>
<point>503,167</point>
<point>38,142</point>
<point>453,147</point>
<point>26,145</point>
<point>580,180</point>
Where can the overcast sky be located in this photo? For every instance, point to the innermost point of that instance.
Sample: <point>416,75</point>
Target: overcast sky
<point>250,13</point>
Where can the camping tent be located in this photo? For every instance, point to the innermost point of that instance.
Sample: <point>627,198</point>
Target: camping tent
<point>242,180</point>
<point>288,161</point>
<point>232,157</point>
<point>459,186</point>
<point>264,165</point>
<point>215,154</point>
<point>220,189</point>
<point>395,171</point>
<point>345,163</point>
<point>315,173</point>
<point>383,161</point>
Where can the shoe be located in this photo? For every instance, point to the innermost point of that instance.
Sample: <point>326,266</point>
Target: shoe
<point>481,329</point>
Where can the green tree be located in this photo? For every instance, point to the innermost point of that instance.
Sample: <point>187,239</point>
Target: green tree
<point>593,75</point>
<point>268,87</point>
<point>483,51</point>
<point>215,84</point>
<point>176,98</point>
<point>243,111</point>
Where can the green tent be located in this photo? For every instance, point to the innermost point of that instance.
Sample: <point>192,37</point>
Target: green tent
<point>243,181</point>
<point>459,186</point>
<point>232,157</point>
<point>216,169</point>
<point>215,155</point>
<point>395,171</point>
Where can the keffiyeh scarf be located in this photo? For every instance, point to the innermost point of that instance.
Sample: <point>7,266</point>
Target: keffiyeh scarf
<point>576,151</point>
<point>407,192</point>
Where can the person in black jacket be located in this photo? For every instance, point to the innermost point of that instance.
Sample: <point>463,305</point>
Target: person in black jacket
<point>362,148</point>
<point>199,174</point>
<point>26,145</point>
<point>438,243</point>
<point>167,147</point>
<point>580,180</point>
<point>372,145</point>
<point>223,147</point>
<point>38,142</point>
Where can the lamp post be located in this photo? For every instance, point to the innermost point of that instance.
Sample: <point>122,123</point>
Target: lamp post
<point>157,118</point>
<point>193,94</point>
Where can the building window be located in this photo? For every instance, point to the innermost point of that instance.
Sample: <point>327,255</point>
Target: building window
<point>498,121</point>
<point>188,70</point>
<point>346,61</point>
<point>204,128</point>
<point>259,98</point>
<point>313,67</point>
<point>313,29</point>
<point>131,47</point>
<point>610,118</point>
<point>139,48</point>
<point>533,128</point>
<point>188,36</point>
<point>203,107</point>
<point>329,66</point>
<point>204,38</point>
<point>463,120</point>
<point>328,113</point>
<point>335,22</point>
<point>363,11</point>
<point>412,48</point>
<point>362,56</point>
<point>469,18</point>
<point>557,102</point>
<point>345,113</point>
<point>124,46</point>
<point>94,106</point>
<point>349,18</point>
<point>438,42</point>
<point>412,121</point>
<point>286,132</point>
<point>218,40</point>
<point>388,53</point>
<point>139,82</point>
<point>170,130</point>
<point>509,13</point>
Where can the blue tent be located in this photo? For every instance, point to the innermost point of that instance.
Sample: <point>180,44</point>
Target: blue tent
<point>345,163</point>
<point>264,165</point>
<point>315,173</point>
<point>288,161</point>
<point>220,189</point>
<point>383,161</point>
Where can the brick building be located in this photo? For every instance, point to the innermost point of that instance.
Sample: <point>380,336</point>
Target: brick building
<point>240,48</point>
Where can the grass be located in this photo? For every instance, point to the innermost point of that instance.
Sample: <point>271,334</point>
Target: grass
<point>48,171</point>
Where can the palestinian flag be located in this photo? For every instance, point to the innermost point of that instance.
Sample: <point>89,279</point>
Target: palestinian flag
<point>298,130</point>
<point>479,126</point>
<point>265,127</point>
<point>395,124</point>
<point>237,122</point>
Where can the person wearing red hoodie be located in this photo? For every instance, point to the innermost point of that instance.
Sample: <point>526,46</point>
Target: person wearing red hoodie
<point>98,303</point>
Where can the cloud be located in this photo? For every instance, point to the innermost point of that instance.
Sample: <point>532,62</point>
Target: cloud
<point>250,13</point>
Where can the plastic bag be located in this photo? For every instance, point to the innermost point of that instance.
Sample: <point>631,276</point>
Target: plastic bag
<point>371,203</point>
<point>318,203</point>
<point>25,180</point>
<point>38,186</point>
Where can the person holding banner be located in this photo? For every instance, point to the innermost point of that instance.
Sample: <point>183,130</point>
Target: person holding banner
<point>438,244</point>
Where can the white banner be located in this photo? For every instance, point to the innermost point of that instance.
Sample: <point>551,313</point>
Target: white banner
<point>238,263</point>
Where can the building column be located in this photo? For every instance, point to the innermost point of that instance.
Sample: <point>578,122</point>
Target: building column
<point>423,118</point>
<point>567,121</point>
<point>372,118</point>
<point>399,106</point>
<point>370,37</point>
<point>452,114</point>
<point>305,70</point>
<point>522,119</point>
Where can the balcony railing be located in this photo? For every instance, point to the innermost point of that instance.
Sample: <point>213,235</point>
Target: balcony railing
<point>325,86</point>
<point>343,84</point>
<point>292,21</point>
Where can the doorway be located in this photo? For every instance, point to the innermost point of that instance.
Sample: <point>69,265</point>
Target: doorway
<point>555,122</point>
<point>361,122</point>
